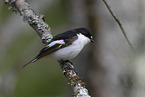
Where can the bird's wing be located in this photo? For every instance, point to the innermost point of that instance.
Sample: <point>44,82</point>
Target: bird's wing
<point>56,45</point>
<point>52,47</point>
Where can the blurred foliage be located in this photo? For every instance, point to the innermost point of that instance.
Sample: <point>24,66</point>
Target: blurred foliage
<point>58,13</point>
<point>5,13</point>
<point>15,52</point>
<point>40,80</point>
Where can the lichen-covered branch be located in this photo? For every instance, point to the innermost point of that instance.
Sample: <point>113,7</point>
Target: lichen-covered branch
<point>73,79</point>
<point>34,20</point>
<point>43,30</point>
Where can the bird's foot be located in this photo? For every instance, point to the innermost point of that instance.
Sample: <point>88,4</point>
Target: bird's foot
<point>68,61</point>
<point>66,64</point>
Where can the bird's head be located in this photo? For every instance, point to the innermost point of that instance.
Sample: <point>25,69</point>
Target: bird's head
<point>86,33</point>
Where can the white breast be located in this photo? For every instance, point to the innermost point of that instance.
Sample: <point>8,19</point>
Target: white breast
<point>72,50</point>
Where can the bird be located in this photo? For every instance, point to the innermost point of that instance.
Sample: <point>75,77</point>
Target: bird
<point>65,46</point>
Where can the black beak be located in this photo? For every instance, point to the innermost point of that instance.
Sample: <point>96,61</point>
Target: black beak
<point>92,41</point>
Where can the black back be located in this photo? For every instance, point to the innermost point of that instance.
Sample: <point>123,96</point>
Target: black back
<point>69,34</point>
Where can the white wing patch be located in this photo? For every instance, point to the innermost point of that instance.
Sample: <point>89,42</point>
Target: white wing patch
<point>56,42</point>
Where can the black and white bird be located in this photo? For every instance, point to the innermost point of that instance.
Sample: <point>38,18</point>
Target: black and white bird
<point>66,46</point>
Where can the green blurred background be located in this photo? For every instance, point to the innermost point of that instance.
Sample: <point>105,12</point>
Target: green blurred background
<point>109,67</point>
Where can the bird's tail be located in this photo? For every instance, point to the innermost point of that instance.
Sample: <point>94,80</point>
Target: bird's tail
<point>32,61</point>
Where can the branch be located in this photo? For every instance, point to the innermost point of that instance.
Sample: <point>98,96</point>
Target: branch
<point>34,20</point>
<point>73,79</point>
<point>43,30</point>
<point>119,23</point>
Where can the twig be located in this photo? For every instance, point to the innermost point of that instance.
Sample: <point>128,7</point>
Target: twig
<point>119,23</point>
<point>43,30</point>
